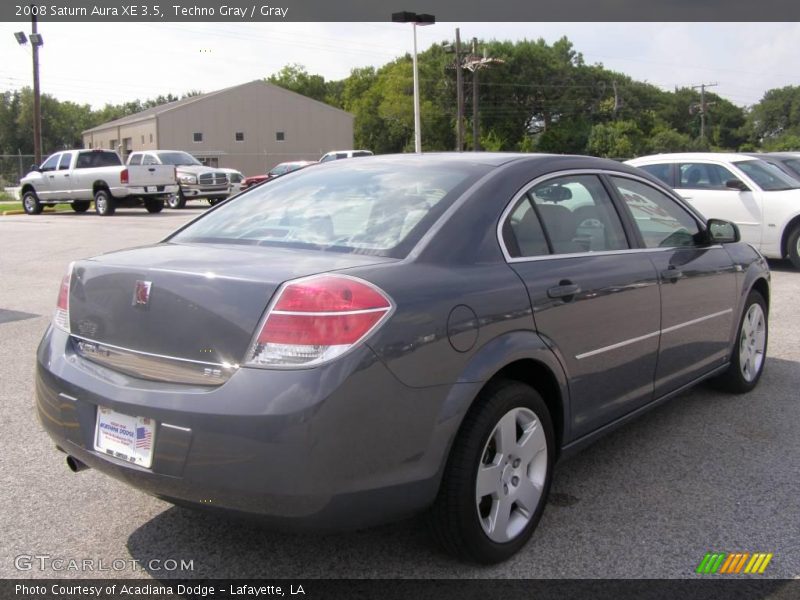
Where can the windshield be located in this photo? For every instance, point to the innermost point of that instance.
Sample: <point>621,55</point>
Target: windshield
<point>768,177</point>
<point>178,159</point>
<point>377,208</point>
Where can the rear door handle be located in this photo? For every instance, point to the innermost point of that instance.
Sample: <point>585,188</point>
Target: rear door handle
<point>564,289</point>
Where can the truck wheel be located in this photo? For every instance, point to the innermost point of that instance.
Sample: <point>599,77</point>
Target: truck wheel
<point>177,200</point>
<point>81,206</point>
<point>104,203</point>
<point>31,204</point>
<point>498,475</point>
<point>794,247</point>
<point>154,205</point>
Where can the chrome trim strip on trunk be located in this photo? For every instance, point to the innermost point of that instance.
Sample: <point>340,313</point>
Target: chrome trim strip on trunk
<point>156,367</point>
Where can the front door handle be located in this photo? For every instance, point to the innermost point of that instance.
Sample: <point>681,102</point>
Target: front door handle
<point>671,274</point>
<point>565,289</point>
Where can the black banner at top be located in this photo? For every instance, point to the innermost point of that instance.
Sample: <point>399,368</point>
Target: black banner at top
<point>377,11</point>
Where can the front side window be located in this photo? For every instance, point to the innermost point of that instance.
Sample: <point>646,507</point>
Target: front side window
<point>51,164</point>
<point>699,176</point>
<point>661,221</point>
<point>380,209</point>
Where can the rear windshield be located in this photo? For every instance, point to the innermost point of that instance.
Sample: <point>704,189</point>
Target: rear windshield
<point>768,177</point>
<point>372,208</point>
<point>177,159</point>
<point>95,158</point>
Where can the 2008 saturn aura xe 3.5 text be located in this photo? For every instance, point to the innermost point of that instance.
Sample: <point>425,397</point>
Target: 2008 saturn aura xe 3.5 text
<point>355,342</point>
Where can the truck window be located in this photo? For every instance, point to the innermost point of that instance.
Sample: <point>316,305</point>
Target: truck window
<point>66,158</point>
<point>136,159</point>
<point>51,164</point>
<point>97,158</point>
<point>149,159</point>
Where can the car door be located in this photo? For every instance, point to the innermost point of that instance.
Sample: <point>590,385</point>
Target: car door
<point>702,184</point>
<point>595,301</point>
<point>697,283</point>
<point>45,186</point>
<point>62,182</point>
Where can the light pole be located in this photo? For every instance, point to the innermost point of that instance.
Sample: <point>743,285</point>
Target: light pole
<point>421,20</point>
<point>36,42</point>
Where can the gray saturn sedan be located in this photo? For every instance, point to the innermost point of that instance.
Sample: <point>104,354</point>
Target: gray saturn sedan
<point>363,340</point>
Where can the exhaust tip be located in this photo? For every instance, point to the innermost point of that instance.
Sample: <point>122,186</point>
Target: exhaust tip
<point>75,465</point>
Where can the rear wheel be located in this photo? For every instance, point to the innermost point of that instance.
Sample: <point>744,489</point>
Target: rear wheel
<point>497,477</point>
<point>31,204</point>
<point>81,206</point>
<point>794,247</point>
<point>177,200</point>
<point>154,205</point>
<point>104,203</point>
<point>750,350</point>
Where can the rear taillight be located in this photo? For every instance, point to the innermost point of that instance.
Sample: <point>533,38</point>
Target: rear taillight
<point>123,176</point>
<point>61,316</point>
<point>316,319</point>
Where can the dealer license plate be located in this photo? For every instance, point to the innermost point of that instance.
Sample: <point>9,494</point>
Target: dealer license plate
<point>125,437</point>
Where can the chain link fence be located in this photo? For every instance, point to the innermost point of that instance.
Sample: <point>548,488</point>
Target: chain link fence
<point>13,167</point>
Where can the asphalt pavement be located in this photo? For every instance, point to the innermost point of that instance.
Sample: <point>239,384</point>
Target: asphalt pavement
<point>704,472</point>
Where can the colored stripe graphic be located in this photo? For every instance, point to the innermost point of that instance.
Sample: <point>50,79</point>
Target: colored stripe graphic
<point>724,563</point>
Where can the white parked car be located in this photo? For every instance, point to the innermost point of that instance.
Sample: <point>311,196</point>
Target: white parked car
<point>235,181</point>
<point>760,198</point>
<point>340,154</point>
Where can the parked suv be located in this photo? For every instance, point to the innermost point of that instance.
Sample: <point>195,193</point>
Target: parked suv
<point>196,181</point>
<point>760,198</point>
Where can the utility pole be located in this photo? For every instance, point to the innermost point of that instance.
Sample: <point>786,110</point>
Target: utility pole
<point>476,144</point>
<point>459,95</point>
<point>37,109</point>
<point>617,102</point>
<point>703,106</point>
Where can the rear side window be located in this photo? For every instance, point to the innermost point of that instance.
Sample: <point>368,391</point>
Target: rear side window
<point>523,232</point>
<point>661,221</point>
<point>660,171</point>
<point>66,158</point>
<point>381,209</point>
<point>97,158</point>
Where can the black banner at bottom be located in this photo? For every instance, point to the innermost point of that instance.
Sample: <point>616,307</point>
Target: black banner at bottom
<point>400,589</point>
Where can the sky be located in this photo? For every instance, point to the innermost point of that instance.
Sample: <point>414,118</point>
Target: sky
<point>99,63</point>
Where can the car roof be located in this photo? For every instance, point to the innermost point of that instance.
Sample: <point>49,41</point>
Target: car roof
<point>675,156</point>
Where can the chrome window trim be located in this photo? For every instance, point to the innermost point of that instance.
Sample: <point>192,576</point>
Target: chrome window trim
<point>524,190</point>
<point>646,336</point>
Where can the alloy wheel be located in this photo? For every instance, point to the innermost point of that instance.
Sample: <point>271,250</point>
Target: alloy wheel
<point>752,342</point>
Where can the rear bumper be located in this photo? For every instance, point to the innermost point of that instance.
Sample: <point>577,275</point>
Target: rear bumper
<point>337,447</point>
<point>144,191</point>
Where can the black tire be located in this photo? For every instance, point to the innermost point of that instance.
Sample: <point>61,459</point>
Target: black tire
<point>154,205</point>
<point>81,206</point>
<point>177,200</point>
<point>104,203</point>
<point>456,518</point>
<point>793,247</point>
<point>31,204</point>
<point>734,379</point>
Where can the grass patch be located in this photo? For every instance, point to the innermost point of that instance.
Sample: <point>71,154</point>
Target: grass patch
<point>4,206</point>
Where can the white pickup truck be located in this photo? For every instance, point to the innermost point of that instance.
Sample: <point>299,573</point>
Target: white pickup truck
<point>77,177</point>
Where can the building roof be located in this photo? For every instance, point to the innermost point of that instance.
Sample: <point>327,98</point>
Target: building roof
<point>155,111</point>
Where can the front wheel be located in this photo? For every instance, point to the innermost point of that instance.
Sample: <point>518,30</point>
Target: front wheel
<point>80,206</point>
<point>104,204</point>
<point>177,200</point>
<point>750,349</point>
<point>31,204</point>
<point>497,477</point>
<point>794,247</point>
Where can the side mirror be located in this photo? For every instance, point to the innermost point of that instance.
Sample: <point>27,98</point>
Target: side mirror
<point>737,184</point>
<point>722,232</point>
<point>35,168</point>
